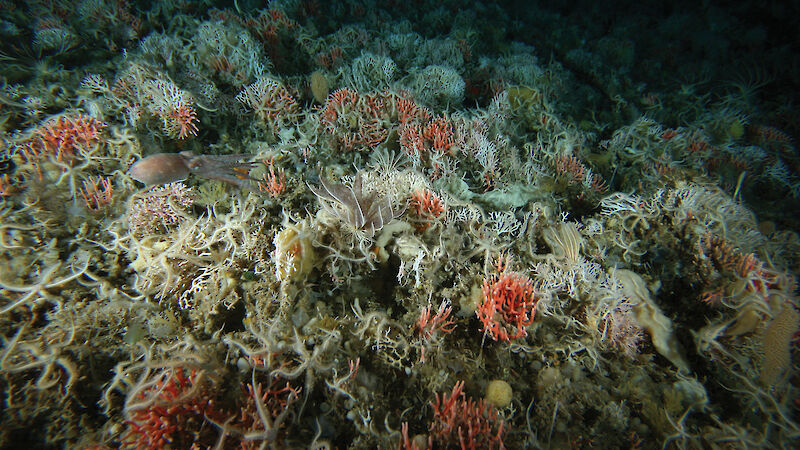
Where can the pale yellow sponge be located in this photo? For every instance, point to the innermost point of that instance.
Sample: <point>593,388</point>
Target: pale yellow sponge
<point>777,341</point>
<point>498,393</point>
<point>294,255</point>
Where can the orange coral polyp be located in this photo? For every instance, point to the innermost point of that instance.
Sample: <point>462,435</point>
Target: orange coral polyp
<point>427,204</point>
<point>60,137</point>
<point>508,307</point>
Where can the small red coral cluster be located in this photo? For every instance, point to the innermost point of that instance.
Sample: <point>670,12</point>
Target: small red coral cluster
<point>573,170</point>
<point>472,424</point>
<point>427,206</point>
<point>61,137</point>
<point>274,181</point>
<point>179,411</point>
<point>355,121</point>
<point>183,121</point>
<point>173,416</point>
<point>431,327</point>
<point>173,106</point>
<point>424,137</point>
<point>363,121</point>
<point>271,101</point>
<point>509,305</point>
<point>428,134</point>
<point>428,325</point>
<point>461,422</point>
<point>97,192</point>
<point>721,263</point>
<point>60,141</point>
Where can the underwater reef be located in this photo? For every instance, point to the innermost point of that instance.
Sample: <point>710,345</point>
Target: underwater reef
<point>409,225</point>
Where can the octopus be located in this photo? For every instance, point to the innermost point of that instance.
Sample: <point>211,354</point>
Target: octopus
<point>163,168</point>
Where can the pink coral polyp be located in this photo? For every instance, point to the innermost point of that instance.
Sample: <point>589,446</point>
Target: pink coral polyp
<point>509,305</point>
